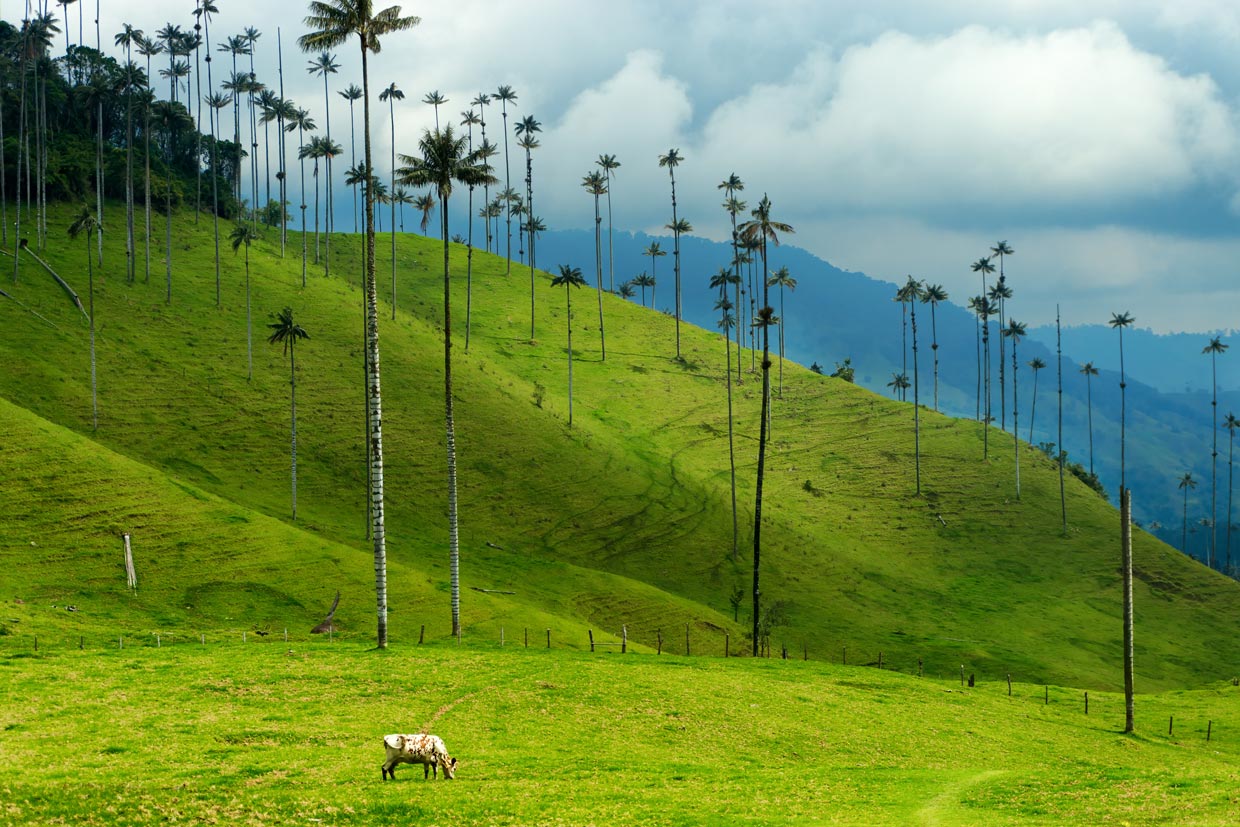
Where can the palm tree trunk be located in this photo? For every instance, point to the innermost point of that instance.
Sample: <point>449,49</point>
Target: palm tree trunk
<point>1089,407</point>
<point>1125,504</point>
<point>782,323</point>
<point>903,346</point>
<point>168,221</point>
<point>469,247</point>
<point>292,373</point>
<point>916,400</point>
<point>1231,446</point>
<point>316,210</point>
<point>1063,497</point>
<point>1123,418</point>
<point>934,346</point>
<point>374,396</point>
<point>453,532</point>
<point>147,188</point>
<point>283,150</point>
<point>762,437</point>
<point>130,251</point>
<point>94,394</point>
<point>392,191</point>
<point>508,211</point>
<point>736,269</point>
<point>676,257</point>
<point>727,372</point>
<point>569,311</point>
<point>1033,408</point>
<point>598,270</point>
<point>611,250</point>
<point>1015,425</point>
<point>1184,524</point>
<point>21,140</point>
<point>249,344</point>
<point>4,192</point>
<point>301,161</point>
<point>1214,462</point>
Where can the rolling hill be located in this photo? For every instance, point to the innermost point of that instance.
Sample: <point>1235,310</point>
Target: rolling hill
<point>624,519</point>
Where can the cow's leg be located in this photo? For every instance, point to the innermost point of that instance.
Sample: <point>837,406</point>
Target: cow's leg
<point>426,771</point>
<point>389,770</point>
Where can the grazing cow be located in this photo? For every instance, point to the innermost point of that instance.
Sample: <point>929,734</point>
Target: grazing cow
<point>427,750</point>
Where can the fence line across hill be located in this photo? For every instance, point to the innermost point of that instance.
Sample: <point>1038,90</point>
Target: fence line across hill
<point>15,645</point>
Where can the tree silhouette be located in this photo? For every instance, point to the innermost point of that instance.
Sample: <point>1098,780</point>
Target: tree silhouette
<point>333,22</point>
<point>569,277</point>
<point>1014,331</point>
<point>1089,370</point>
<point>284,331</point>
<point>761,228</point>
<point>445,160</point>
<point>86,223</point>
<point>609,165</point>
<point>1186,484</point>
<point>932,295</point>
<point>1119,321</point>
<point>1214,348</point>
<point>1036,364</point>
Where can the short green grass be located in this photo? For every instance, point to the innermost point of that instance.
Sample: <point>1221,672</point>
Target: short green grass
<point>624,520</point>
<point>276,733</point>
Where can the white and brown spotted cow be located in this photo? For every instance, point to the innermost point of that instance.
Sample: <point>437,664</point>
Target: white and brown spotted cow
<point>427,750</point>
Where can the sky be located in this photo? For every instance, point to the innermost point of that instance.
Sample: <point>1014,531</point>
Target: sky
<point>1099,138</point>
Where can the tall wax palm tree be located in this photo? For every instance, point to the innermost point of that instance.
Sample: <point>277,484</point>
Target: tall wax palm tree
<point>505,96</point>
<point>783,279</point>
<point>734,206</point>
<point>172,117</point>
<point>983,266</point>
<point>269,110</point>
<point>899,384</point>
<point>87,224</point>
<point>148,48</point>
<point>999,294</point>
<point>626,290</point>
<point>914,290</point>
<point>285,331</point>
<point>253,88</point>
<point>905,295</point>
<point>1014,331</point>
<point>672,160</point>
<point>1231,424</point>
<point>196,38</point>
<point>133,79</point>
<point>1063,455</point>
<point>353,93</point>
<point>749,257</point>
<point>236,46</point>
<point>1214,348</point>
<point>595,183</point>
<point>762,228</point>
<point>526,130</point>
<point>216,102</point>
<point>643,281</point>
<point>402,198</point>
<point>445,160</point>
<point>434,99</point>
<point>1001,249</point>
<point>655,252</point>
<point>1089,370</point>
<point>315,152</point>
<point>932,295</point>
<point>1119,321</point>
<point>333,22</point>
<point>425,204</point>
<point>726,321</point>
<point>391,94</point>
<point>481,101</point>
<point>1186,484</point>
<point>243,234</point>
<point>323,65</point>
<point>609,165</point>
<point>1036,364</point>
<point>469,119</point>
<point>302,122</point>
<point>569,277</point>
<point>286,112</point>
<point>975,304</point>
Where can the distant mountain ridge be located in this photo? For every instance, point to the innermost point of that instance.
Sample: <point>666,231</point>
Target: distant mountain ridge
<point>835,314</point>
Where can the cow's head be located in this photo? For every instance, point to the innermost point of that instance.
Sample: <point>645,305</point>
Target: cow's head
<point>449,768</point>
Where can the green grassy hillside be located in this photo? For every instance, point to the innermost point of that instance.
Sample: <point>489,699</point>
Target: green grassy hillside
<point>624,519</point>
<point>269,733</point>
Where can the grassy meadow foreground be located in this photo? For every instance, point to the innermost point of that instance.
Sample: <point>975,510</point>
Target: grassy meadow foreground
<point>275,733</point>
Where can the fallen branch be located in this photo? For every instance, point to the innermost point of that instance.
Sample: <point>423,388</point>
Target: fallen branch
<point>327,625</point>
<point>64,285</point>
<point>490,591</point>
<point>22,305</point>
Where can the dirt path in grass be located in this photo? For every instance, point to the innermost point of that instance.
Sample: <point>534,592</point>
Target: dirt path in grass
<point>932,815</point>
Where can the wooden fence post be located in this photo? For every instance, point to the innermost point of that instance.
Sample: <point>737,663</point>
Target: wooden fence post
<point>422,634</point>
<point>81,642</point>
<point>202,639</point>
<point>1047,698</point>
<point>727,643</point>
<point>962,674</point>
<point>590,632</point>
<point>686,639</point>
<point>286,634</point>
<point>527,637</point>
<point>845,655</point>
<point>1009,677</point>
<point>1086,703</point>
<point>548,638</point>
<point>1170,725</point>
<point>1209,727</point>
<point>36,643</point>
<point>805,651</point>
<point>120,642</point>
<point>243,636</point>
<point>624,639</point>
<point>919,668</point>
<point>880,660</point>
<point>659,651</point>
<point>501,637</point>
<point>159,641</point>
